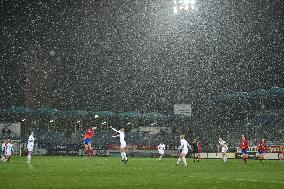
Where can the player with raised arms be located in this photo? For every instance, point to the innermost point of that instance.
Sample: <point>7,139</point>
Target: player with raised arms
<point>121,136</point>
<point>183,149</point>
<point>224,149</point>
<point>261,147</point>
<point>161,150</point>
<point>88,141</point>
<point>244,146</point>
<point>30,146</point>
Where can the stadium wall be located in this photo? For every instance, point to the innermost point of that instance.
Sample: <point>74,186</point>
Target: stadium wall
<point>275,152</point>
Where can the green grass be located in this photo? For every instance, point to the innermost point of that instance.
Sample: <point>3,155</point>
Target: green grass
<point>146,173</point>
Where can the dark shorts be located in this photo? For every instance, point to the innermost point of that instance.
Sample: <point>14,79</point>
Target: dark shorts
<point>244,152</point>
<point>88,141</point>
<point>195,151</point>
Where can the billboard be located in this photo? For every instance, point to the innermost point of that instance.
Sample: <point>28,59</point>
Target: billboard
<point>183,109</point>
<point>272,152</point>
<point>270,149</point>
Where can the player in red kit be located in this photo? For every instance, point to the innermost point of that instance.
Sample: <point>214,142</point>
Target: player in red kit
<point>199,145</point>
<point>244,146</point>
<point>261,147</point>
<point>88,141</point>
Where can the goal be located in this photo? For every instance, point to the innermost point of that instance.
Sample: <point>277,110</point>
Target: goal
<point>18,147</point>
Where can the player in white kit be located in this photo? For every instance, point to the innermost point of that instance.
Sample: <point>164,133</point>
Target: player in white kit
<point>3,150</point>
<point>30,146</point>
<point>161,150</point>
<point>183,148</point>
<point>122,143</point>
<point>8,148</point>
<point>224,149</point>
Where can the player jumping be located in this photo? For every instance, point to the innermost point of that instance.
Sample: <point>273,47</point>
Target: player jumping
<point>244,146</point>
<point>88,141</point>
<point>122,144</point>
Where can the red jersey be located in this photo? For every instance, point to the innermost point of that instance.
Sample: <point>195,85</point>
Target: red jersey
<point>244,145</point>
<point>262,146</point>
<point>199,147</point>
<point>89,133</point>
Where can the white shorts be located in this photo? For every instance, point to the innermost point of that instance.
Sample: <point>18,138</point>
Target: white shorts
<point>224,150</point>
<point>161,152</point>
<point>30,148</point>
<point>185,151</point>
<point>8,153</point>
<point>122,144</point>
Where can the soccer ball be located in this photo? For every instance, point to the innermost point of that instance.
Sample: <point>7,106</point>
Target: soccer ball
<point>96,116</point>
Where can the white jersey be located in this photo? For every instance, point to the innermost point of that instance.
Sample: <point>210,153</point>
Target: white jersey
<point>222,143</point>
<point>224,149</point>
<point>161,148</point>
<point>8,149</point>
<point>184,146</point>
<point>31,142</point>
<point>121,138</point>
<point>3,148</point>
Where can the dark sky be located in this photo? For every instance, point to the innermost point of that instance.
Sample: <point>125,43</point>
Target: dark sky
<point>137,55</point>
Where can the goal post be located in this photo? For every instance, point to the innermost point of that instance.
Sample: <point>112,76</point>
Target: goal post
<point>17,147</point>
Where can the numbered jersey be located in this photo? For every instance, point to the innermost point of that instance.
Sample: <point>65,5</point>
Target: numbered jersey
<point>31,140</point>
<point>8,149</point>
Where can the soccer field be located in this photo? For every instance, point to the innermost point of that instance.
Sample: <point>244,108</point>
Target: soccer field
<point>102,172</point>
